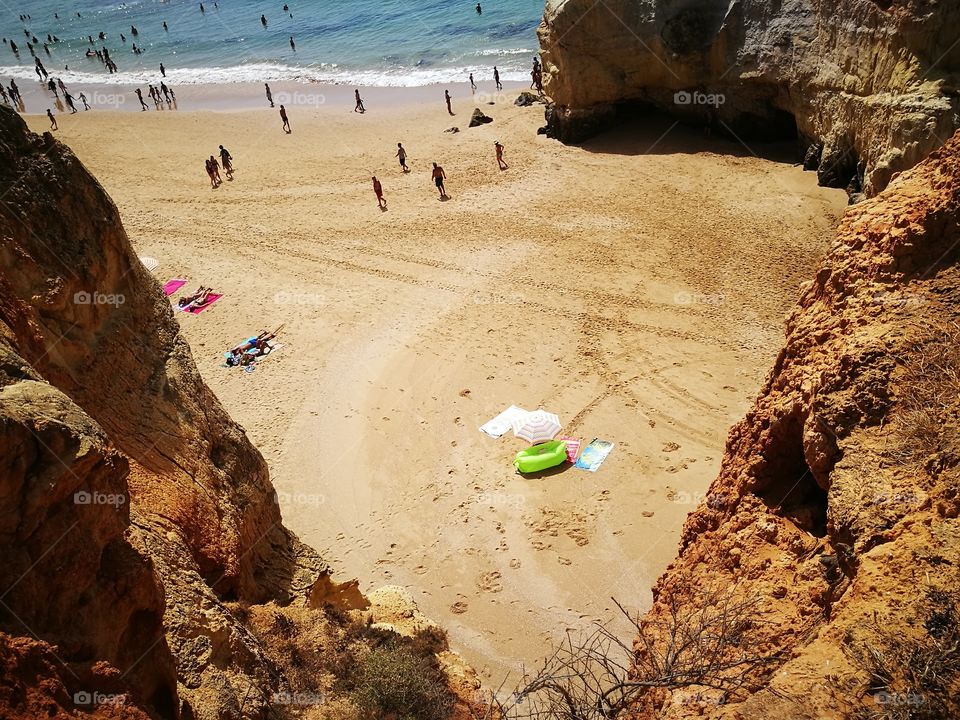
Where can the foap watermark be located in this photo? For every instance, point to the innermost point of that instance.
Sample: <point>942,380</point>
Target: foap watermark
<point>491,98</point>
<point>312,499</point>
<point>98,298</point>
<point>896,498</point>
<point>106,100</point>
<point>695,97</point>
<point>286,297</point>
<point>297,698</point>
<point>897,300</point>
<point>85,698</point>
<point>894,698</point>
<point>489,298</point>
<point>82,497</point>
<point>298,98</point>
<point>498,499</point>
<point>691,298</point>
<point>696,498</point>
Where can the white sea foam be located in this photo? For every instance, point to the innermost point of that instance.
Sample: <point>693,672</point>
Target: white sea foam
<point>262,72</point>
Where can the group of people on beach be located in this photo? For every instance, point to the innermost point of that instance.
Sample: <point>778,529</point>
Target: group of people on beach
<point>213,167</point>
<point>168,96</point>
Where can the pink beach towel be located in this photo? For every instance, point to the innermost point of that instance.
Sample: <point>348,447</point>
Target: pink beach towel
<point>171,286</point>
<point>573,448</point>
<point>197,310</point>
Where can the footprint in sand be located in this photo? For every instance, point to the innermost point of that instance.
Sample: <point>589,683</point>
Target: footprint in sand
<point>671,447</point>
<point>459,607</point>
<point>490,582</point>
<point>420,570</point>
<point>564,561</point>
<point>515,564</point>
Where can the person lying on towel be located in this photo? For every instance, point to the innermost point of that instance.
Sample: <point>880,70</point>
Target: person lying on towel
<point>197,299</point>
<point>250,349</point>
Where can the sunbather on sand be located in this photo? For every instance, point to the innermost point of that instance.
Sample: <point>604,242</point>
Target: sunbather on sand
<point>253,347</point>
<point>198,299</point>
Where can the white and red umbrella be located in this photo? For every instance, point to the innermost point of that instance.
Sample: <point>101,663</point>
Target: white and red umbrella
<point>537,426</point>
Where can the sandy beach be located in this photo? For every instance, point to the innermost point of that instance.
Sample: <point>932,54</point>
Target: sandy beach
<point>635,286</point>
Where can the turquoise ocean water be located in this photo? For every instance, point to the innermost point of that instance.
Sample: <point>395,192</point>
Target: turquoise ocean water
<point>356,42</point>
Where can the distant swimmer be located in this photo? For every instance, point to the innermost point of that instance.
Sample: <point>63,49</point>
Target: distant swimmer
<point>293,45</point>
<point>359,107</point>
<point>479,9</point>
<point>378,189</point>
<point>402,154</point>
<point>269,94</point>
<point>438,177</point>
<point>473,85</point>
<point>202,8</point>
<point>163,70</point>
<point>143,105</point>
<point>498,146</point>
<point>134,31</point>
<point>53,120</point>
<point>286,120</point>
<point>165,28</point>
<point>263,20</point>
<point>496,78</point>
<point>286,8</point>
<point>446,95</point>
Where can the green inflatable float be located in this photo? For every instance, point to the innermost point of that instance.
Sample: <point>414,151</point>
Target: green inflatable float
<point>540,457</point>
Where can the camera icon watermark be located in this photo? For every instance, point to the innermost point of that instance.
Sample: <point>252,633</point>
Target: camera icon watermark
<point>299,98</point>
<point>84,698</point>
<point>284,297</point>
<point>690,298</point>
<point>98,298</point>
<point>498,499</point>
<point>297,698</point>
<point>82,497</point>
<point>695,97</point>
<point>310,499</point>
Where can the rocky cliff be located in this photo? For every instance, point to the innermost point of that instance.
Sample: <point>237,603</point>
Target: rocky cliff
<point>139,530</point>
<point>836,508</point>
<point>869,86</point>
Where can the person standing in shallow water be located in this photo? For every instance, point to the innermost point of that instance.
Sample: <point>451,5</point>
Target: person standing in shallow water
<point>473,85</point>
<point>286,120</point>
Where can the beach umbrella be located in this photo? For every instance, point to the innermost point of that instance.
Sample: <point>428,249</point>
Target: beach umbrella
<point>537,426</point>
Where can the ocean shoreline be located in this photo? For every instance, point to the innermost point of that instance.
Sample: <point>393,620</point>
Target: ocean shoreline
<point>295,96</point>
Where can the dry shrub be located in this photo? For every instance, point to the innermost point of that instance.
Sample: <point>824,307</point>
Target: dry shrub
<point>911,677</point>
<point>929,390</point>
<point>390,681</point>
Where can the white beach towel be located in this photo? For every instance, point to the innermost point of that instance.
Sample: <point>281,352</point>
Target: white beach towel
<point>503,422</point>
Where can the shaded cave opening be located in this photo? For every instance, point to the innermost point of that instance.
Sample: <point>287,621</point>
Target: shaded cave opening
<point>785,483</point>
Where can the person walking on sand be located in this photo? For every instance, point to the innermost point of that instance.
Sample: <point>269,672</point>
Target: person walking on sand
<point>209,167</point>
<point>402,154</point>
<point>499,148</point>
<point>378,189</point>
<point>438,177</point>
<point>83,99</point>
<point>143,105</point>
<point>226,159</point>
<point>215,166</point>
<point>446,95</point>
<point>359,107</point>
<point>53,120</point>
<point>286,120</point>
<point>496,78</point>
<point>269,94</point>
<point>473,85</point>
<point>68,99</point>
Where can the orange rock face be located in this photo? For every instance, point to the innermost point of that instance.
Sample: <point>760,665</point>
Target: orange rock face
<point>837,498</point>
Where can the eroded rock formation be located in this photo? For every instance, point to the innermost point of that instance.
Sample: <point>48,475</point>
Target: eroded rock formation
<point>871,87</point>
<point>839,493</point>
<point>132,505</point>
